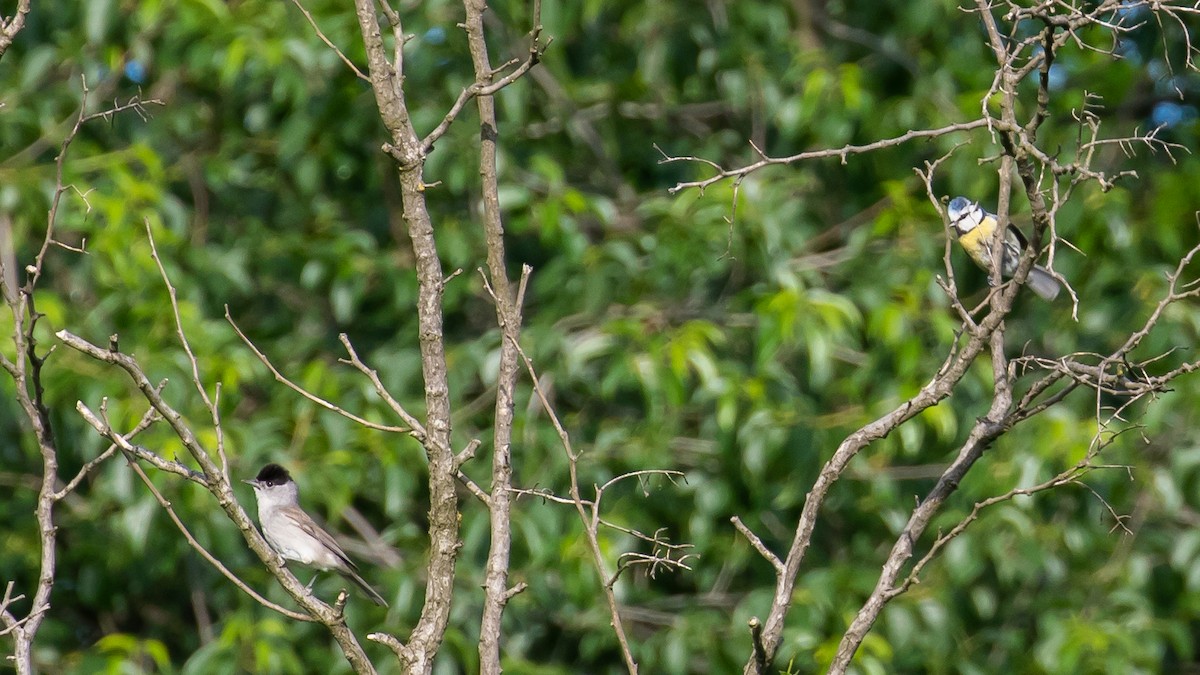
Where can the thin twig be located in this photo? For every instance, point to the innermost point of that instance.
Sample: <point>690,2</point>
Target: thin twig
<point>329,43</point>
<point>843,153</point>
<point>150,417</point>
<point>758,545</point>
<point>213,411</point>
<point>588,516</point>
<point>279,377</point>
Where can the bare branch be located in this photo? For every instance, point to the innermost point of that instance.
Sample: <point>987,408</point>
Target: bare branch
<point>10,622</point>
<point>279,377</point>
<point>187,348</point>
<point>414,425</point>
<point>985,430</point>
<point>588,516</point>
<point>938,388</point>
<point>9,27</point>
<point>756,639</point>
<point>486,87</point>
<point>150,417</point>
<point>407,149</point>
<point>1070,476</point>
<point>329,43</point>
<point>416,430</point>
<point>758,545</point>
<point>842,153</point>
<point>26,370</point>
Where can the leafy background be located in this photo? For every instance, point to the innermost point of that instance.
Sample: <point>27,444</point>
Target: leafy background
<point>738,354</point>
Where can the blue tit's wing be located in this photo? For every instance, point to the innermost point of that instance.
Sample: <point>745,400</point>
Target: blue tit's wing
<point>1014,243</point>
<point>1014,233</point>
<point>1013,237</point>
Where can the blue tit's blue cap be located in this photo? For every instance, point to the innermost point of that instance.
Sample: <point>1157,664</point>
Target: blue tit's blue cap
<point>958,205</point>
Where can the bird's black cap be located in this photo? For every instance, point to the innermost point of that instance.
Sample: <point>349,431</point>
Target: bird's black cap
<point>272,474</point>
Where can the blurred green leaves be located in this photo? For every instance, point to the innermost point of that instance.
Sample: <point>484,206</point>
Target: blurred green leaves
<point>671,330</point>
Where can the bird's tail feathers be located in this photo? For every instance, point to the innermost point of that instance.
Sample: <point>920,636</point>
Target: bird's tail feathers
<point>366,588</point>
<point>1043,283</point>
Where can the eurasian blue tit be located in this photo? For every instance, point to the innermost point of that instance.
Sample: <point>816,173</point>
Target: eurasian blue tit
<point>976,228</point>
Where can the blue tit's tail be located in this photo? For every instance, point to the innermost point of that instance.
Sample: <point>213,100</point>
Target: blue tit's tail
<point>1043,283</point>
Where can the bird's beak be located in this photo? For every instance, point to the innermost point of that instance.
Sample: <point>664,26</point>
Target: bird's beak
<point>251,482</point>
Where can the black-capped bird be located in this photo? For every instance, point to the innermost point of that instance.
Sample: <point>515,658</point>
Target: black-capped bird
<point>294,534</point>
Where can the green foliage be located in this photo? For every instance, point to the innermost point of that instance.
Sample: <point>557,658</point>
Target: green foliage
<point>739,353</point>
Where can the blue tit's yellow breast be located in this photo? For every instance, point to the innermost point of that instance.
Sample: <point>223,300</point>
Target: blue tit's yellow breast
<point>978,242</point>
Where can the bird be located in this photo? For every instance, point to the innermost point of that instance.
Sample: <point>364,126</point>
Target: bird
<point>976,229</point>
<point>294,534</point>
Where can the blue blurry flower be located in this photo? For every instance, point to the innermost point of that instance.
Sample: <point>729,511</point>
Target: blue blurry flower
<point>1057,78</point>
<point>435,35</point>
<point>1130,11</point>
<point>1169,114</point>
<point>136,71</point>
<point>1128,50</point>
